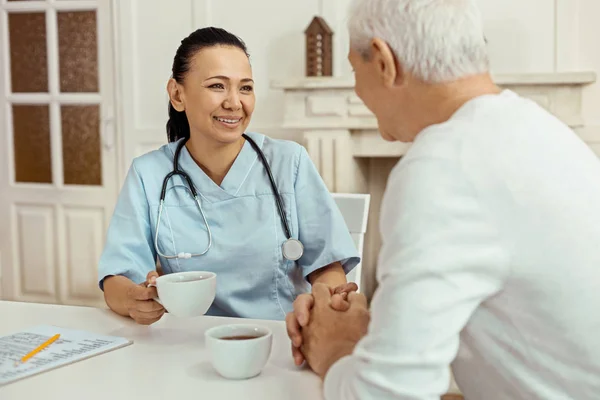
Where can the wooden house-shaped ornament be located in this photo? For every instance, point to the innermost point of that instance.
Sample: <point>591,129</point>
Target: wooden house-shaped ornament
<point>319,54</point>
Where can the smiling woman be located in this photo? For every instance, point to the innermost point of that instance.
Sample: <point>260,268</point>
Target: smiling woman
<point>214,83</point>
<point>212,78</point>
<point>251,209</point>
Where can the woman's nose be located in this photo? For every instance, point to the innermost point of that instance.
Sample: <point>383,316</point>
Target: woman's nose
<point>232,102</point>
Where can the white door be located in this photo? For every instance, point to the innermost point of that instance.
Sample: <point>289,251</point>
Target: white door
<point>58,163</point>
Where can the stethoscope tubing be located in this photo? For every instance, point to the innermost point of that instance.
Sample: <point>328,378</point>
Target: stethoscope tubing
<point>294,243</point>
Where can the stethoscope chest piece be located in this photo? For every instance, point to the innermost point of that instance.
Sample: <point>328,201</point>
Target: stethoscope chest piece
<point>292,249</point>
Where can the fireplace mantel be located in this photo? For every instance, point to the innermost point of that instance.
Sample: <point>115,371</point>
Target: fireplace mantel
<point>338,128</point>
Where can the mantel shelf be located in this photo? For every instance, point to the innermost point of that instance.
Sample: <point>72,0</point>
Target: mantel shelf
<point>347,82</point>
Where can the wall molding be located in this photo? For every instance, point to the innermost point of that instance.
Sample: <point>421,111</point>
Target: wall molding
<point>566,35</point>
<point>201,13</point>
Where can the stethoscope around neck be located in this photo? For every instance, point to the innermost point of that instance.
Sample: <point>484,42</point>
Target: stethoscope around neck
<point>292,248</point>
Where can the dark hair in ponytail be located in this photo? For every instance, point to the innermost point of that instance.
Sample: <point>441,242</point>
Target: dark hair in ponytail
<point>178,126</point>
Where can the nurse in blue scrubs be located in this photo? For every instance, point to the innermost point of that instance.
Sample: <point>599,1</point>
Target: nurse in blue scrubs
<point>264,253</point>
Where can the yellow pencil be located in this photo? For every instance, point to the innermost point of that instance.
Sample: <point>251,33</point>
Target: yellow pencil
<point>40,347</point>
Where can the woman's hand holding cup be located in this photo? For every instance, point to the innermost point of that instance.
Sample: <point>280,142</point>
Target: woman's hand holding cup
<point>140,301</point>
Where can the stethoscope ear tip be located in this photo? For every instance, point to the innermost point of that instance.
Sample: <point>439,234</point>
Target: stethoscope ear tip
<point>184,255</point>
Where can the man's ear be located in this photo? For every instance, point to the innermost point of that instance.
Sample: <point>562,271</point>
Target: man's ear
<point>386,63</point>
<point>174,91</point>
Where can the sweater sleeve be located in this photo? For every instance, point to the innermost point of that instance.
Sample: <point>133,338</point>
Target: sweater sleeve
<point>441,258</point>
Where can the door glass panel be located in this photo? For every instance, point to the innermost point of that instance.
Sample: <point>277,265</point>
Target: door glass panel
<point>81,145</point>
<point>78,51</point>
<point>28,58</point>
<point>31,138</point>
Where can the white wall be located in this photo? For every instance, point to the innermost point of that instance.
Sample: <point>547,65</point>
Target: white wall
<point>524,36</point>
<point>520,34</point>
<point>149,33</point>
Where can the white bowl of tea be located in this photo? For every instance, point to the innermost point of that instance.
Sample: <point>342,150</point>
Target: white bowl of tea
<point>239,351</point>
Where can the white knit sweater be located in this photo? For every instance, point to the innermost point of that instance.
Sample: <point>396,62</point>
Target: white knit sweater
<point>490,260</point>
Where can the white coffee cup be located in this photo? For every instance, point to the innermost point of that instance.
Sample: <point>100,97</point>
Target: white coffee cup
<point>186,294</point>
<point>239,358</point>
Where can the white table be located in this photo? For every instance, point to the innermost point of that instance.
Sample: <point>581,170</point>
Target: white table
<point>167,360</point>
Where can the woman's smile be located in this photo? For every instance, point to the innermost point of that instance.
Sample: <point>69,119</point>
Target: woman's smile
<point>229,122</point>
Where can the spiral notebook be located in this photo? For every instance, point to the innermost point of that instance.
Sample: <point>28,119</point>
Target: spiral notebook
<point>72,346</point>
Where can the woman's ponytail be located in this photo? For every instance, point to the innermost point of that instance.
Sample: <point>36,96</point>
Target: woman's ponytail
<point>178,126</point>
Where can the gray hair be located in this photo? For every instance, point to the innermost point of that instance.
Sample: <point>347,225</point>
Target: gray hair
<point>435,40</point>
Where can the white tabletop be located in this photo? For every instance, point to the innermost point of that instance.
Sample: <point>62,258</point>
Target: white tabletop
<point>166,361</point>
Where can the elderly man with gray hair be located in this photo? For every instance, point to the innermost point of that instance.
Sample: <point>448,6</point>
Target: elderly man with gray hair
<point>490,224</point>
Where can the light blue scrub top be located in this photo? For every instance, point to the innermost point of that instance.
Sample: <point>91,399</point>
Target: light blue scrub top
<point>254,280</point>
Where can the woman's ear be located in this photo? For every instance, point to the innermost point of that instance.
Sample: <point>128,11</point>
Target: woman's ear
<point>175,95</point>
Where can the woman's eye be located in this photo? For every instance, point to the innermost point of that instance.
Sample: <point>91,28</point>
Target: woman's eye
<point>247,88</point>
<point>217,86</point>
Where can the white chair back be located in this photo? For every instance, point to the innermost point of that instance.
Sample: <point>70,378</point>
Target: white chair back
<point>355,210</point>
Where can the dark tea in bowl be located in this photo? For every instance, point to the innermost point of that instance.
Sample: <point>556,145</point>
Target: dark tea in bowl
<point>239,351</point>
<point>239,337</point>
